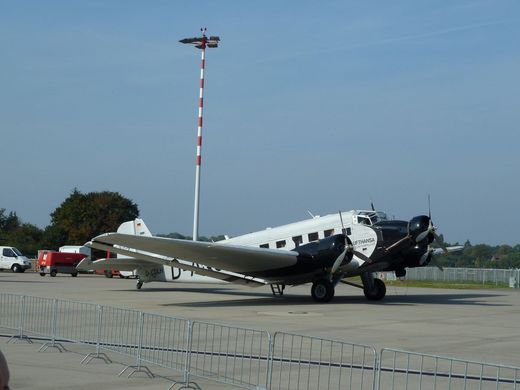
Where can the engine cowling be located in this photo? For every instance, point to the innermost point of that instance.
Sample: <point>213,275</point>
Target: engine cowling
<point>418,256</point>
<point>419,225</point>
<point>326,250</point>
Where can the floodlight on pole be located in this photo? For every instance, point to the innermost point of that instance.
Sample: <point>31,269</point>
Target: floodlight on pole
<point>200,43</point>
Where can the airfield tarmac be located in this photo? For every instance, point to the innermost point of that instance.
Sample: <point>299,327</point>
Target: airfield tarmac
<point>482,325</point>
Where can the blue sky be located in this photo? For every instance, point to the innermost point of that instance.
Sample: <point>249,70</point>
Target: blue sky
<point>309,105</point>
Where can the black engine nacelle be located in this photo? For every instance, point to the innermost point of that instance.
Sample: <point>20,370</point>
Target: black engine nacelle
<point>418,225</point>
<point>326,250</point>
<point>416,257</point>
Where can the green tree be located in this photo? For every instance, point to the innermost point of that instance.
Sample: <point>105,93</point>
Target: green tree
<point>8,223</point>
<point>27,238</point>
<point>83,216</point>
<point>24,236</point>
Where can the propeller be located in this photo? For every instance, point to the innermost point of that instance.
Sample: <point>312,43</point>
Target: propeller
<point>339,259</point>
<point>433,230</point>
<point>349,248</point>
<point>439,242</point>
<point>428,257</point>
<point>421,236</point>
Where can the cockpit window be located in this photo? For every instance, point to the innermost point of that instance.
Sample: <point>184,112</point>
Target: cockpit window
<point>371,217</point>
<point>364,220</point>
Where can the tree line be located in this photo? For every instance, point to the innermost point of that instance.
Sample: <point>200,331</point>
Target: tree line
<point>83,216</point>
<point>482,256</point>
<point>79,218</point>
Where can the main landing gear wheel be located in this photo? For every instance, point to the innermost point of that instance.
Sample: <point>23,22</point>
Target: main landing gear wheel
<point>139,285</point>
<point>322,291</point>
<point>377,293</point>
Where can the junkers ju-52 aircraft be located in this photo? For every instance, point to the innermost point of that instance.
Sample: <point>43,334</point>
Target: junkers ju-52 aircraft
<point>322,250</point>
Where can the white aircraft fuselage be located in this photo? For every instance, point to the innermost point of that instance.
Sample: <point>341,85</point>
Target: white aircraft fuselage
<point>285,237</point>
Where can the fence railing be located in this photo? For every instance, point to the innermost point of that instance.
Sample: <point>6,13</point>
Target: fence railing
<point>304,362</point>
<point>508,277</point>
<point>239,357</point>
<point>401,370</point>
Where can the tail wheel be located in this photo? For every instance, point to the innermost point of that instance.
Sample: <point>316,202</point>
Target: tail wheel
<point>139,285</point>
<point>322,291</point>
<point>377,293</point>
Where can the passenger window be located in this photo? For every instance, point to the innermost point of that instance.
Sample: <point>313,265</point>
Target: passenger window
<point>313,237</point>
<point>264,246</point>
<point>280,244</point>
<point>328,233</point>
<point>297,241</point>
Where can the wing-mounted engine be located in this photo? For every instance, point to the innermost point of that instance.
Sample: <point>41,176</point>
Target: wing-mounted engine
<point>409,244</point>
<point>328,251</point>
<point>421,230</point>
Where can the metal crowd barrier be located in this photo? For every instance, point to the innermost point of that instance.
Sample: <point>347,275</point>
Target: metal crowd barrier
<point>231,355</point>
<point>11,312</point>
<point>164,341</point>
<point>239,357</point>
<point>402,370</point>
<point>304,362</point>
<point>510,277</point>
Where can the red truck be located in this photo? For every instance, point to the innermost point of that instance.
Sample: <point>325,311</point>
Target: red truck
<point>52,262</point>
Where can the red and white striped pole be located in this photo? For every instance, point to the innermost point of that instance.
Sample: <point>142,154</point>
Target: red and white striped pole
<point>200,43</point>
<point>198,160</point>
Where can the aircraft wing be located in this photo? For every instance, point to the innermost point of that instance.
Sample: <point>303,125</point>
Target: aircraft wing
<point>131,264</point>
<point>243,260</point>
<point>440,251</point>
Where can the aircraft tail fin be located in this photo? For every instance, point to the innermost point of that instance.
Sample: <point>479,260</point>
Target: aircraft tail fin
<point>137,227</point>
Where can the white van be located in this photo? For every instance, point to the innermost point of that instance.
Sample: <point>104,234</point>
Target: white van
<point>11,258</point>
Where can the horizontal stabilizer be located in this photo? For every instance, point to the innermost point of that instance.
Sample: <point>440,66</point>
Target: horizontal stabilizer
<point>111,264</point>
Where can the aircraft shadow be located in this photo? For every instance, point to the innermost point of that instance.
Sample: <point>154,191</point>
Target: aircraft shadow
<point>252,298</point>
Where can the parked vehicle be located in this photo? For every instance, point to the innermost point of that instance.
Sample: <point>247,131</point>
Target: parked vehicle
<point>78,249</point>
<point>52,262</point>
<point>11,258</point>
